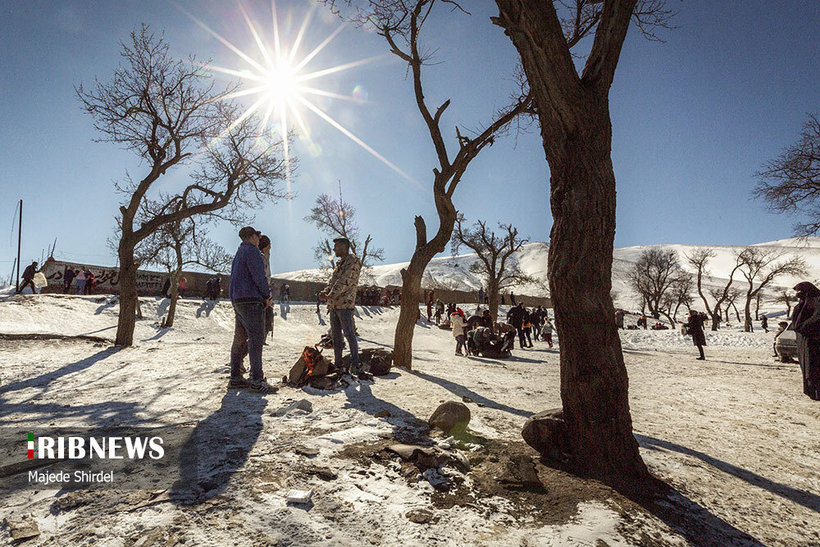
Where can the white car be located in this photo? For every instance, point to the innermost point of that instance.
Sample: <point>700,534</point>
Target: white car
<point>786,344</point>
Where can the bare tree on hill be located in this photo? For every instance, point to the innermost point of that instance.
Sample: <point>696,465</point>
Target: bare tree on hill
<point>169,114</point>
<point>699,259</point>
<point>761,267</point>
<point>494,254</point>
<point>654,276</point>
<point>785,296</point>
<point>400,23</point>
<point>790,183</point>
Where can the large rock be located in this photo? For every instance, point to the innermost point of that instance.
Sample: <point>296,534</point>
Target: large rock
<point>546,432</point>
<point>451,417</point>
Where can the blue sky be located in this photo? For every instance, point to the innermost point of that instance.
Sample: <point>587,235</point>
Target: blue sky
<point>693,119</point>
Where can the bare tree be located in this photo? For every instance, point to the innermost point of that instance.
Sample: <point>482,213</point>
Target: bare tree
<point>576,131</point>
<point>731,298</point>
<point>699,259</point>
<point>679,294</point>
<point>337,218</point>
<point>494,253</point>
<point>179,244</point>
<point>654,275</point>
<point>790,183</point>
<point>169,114</point>
<point>760,267</point>
<point>721,296</point>
<point>785,296</point>
<point>400,23</point>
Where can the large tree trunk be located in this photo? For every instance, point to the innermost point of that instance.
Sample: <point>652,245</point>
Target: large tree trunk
<point>594,382</point>
<point>747,314</point>
<point>128,294</point>
<point>411,277</point>
<point>172,308</point>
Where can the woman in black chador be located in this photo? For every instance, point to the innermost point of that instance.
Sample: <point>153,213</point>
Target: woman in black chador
<point>695,327</point>
<point>806,319</point>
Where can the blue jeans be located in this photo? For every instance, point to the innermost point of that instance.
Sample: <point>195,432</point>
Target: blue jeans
<point>342,320</point>
<point>248,336</point>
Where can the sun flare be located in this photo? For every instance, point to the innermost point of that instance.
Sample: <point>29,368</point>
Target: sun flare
<point>280,84</point>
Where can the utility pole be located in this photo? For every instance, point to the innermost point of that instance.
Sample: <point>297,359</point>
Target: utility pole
<point>19,240</point>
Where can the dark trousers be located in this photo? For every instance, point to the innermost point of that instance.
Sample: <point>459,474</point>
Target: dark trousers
<point>26,283</point>
<point>248,335</point>
<point>460,343</point>
<point>342,321</point>
<point>520,331</point>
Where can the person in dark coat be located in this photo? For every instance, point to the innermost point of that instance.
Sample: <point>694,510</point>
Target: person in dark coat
<point>806,319</point>
<point>764,323</point>
<point>516,318</point>
<point>68,277</point>
<point>694,327</point>
<point>28,278</point>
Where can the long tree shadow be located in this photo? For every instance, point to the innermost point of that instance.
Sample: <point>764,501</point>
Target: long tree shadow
<point>461,391</point>
<point>686,517</point>
<point>218,447</point>
<point>44,380</point>
<point>806,499</point>
<point>407,427</point>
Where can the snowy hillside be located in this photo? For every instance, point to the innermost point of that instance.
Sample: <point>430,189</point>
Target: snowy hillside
<point>453,271</point>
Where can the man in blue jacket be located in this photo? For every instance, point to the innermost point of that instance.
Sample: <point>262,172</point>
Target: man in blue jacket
<point>250,296</point>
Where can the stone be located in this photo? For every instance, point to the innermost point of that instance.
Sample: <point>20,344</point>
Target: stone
<point>423,456</point>
<point>451,417</point>
<point>466,399</point>
<point>419,516</point>
<point>546,433</point>
<point>23,528</point>
<point>306,451</point>
<point>382,414</point>
<point>303,404</point>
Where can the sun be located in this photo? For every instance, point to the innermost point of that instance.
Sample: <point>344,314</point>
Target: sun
<point>281,84</point>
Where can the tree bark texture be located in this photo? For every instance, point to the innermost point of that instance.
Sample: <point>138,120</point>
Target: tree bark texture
<point>576,133</point>
<point>411,293</point>
<point>128,293</point>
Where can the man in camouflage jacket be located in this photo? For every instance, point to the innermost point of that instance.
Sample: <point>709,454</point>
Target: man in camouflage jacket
<point>341,300</point>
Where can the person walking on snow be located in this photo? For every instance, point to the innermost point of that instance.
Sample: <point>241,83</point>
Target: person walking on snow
<point>457,320</point>
<point>250,296</point>
<point>548,331</point>
<point>28,278</point>
<point>68,277</point>
<point>764,323</point>
<point>341,301</point>
<point>694,327</point>
<point>264,248</point>
<point>806,319</point>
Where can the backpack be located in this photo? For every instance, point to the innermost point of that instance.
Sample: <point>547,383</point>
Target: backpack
<point>311,364</point>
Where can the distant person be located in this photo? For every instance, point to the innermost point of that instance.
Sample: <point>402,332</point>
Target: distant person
<point>28,278</point>
<point>457,320</point>
<point>806,319</point>
<point>619,318</point>
<point>548,331</point>
<point>764,323</point>
<point>182,286</point>
<point>89,281</point>
<point>80,280</point>
<point>502,300</point>
<point>68,277</point>
<point>429,306</point>
<point>527,327</point>
<point>716,320</point>
<point>264,248</point>
<point>341,300</point>
<point>512,299</point>
<point>694,327</point>
<point>439,310</point>
<point>515,317</point>
<point>166,288</point>
<point>250,296</point>
<point>781,328</point>
<point>481,294</point>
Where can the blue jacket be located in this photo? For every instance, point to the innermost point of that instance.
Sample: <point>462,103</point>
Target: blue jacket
<point>248,274</point>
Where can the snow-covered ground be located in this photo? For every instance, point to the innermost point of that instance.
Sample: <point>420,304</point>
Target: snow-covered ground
<point>733,435</point>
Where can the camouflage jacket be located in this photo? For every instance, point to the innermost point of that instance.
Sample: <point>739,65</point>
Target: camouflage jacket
<point>341,291</point>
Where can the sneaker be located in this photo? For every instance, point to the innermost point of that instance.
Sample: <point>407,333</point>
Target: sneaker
<point>263,387</point>
<point>238,383</point>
